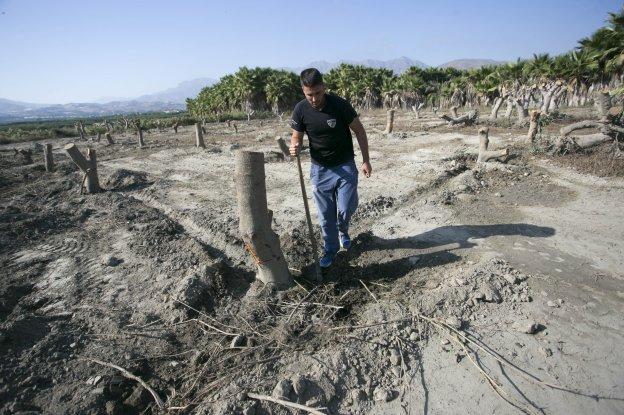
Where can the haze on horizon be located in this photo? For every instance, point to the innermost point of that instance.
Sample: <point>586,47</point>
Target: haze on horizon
<point>75,51</point>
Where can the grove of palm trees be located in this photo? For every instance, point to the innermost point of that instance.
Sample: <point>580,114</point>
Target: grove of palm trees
<point>485,273</point>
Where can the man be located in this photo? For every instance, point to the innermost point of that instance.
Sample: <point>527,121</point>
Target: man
<point>328,121</point>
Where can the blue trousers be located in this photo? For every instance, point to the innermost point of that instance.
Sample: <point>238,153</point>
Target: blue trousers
<point>336,198</point>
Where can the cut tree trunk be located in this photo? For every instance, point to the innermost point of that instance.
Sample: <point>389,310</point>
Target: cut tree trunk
<point>510,106</point>
<point>141,141</point>
<point>255,220</point>
<point>484,153</point>
<point>109,139</point>
<point>564,131</point>
<point>199,136</point>
<point>498,102</point>
<point>389,121</point>
<point>468,118</point>
<point>604,104</point>
<point>535,115</point>
<point>283,147</point>
<point>87,165</point>
<point>454,111</point>
<point>523,112</point>
<point>48,158</point>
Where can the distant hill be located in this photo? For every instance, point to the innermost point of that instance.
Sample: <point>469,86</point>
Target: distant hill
<point>469,63</point>
<point>398,65</point>
<point>172,99</point>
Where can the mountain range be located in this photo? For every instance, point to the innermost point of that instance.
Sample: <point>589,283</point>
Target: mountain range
<point>173,99</point>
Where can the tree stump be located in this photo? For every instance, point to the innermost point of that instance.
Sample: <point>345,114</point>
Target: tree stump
<point>604,105</point>
<point>199,136</point>
<point>389,122</point>
<point>48,158</point>
<point>283,147</point>
<point>535,115</point>
<point>484,153</point>
<point>141,141</point>
<point>454,111</point>
<point>109,139</point>
<point>255,220</point>
<point>87,165</point>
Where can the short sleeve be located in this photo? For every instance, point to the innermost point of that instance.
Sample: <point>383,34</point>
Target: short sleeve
<point>296,121</point>
<point>348,112</point>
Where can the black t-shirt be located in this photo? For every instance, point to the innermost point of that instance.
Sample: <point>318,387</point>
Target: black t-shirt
<point>328,130</point>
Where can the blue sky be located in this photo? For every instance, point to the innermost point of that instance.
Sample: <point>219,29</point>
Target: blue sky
<point>59,51</point>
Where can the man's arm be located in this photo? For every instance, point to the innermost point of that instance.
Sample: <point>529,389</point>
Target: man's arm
<point>360,134</point>
<point>296,142</point>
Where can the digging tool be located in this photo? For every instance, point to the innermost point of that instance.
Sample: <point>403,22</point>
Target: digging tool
<point>317,267</point>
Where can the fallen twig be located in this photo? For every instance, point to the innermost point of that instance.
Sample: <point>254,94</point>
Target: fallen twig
<point>302,300</point>
<point>129,375</point>
<point>314,411</point>
<point>372,295</point>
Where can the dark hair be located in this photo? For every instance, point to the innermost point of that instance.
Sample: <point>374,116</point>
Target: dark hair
<point>311,77</point>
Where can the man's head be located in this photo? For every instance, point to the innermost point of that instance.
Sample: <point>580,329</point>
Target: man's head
<point>313,87</point>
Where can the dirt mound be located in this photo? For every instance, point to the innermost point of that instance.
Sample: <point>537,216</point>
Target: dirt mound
<point>127,180</point>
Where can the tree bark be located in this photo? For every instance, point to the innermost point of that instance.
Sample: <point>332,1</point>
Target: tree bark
<point>48,158</point>
<point>255,220</point>
<point>484,153</point>
<point>510,106</point>
<point>199,136</point>
<point>87,165</point>
<point>535,115</point>
<point>564,131</point>
<point>283,147</point>
<point>389,121</point>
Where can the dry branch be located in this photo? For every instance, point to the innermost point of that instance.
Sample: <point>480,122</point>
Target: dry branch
<point>314,411</point>
<point>129,375</point>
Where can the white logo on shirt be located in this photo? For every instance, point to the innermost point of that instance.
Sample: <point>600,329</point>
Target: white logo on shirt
<point>331,123</point>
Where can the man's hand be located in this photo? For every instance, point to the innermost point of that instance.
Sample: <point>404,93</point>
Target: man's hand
<point>367,169</point>
<point>294,149</point>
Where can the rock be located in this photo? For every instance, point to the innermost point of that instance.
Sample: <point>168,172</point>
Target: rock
<point>111,261</point>
<point>94,380</point>
<point>358,395</point>
<point>527,326</point>
<point>98,391</point>
<point>545,351</point>
<point>113,408</point>
<point>498,194</point>
<point>234,146</point>
<point>283,389</point>
<point>382,394</point>
<point>395,357</point>
<point>138,398</point>
<point>490,294</point>
<point>430,284</point>
<point>414,336</point>
<point>250,410</point>
<point>512,279</point>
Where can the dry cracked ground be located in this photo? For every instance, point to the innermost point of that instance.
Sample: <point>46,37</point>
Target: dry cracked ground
<point>468,289</point>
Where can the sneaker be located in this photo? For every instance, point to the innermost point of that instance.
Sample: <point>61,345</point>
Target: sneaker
<point>327,259</point>
<point>345,241</point>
